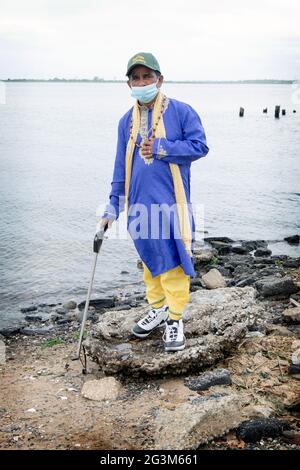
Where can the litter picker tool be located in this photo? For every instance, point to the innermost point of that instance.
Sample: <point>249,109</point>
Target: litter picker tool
<point>98,239</point>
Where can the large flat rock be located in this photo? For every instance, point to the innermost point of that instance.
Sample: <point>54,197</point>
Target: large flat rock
<point>215,322</point>
<point>198,421</point>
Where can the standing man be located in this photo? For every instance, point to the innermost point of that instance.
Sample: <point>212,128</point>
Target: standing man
<point>158,139</point>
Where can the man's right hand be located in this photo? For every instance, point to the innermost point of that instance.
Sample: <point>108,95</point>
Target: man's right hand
<point>105,221</point>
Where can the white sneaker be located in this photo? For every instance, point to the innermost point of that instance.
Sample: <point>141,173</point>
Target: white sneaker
<point>173,337</point>
<point>155,318</point>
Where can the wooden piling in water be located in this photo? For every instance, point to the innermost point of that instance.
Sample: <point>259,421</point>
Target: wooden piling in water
<point>265,110</point>
<point>241,112</point>
<point>277,111</point>
<point>283,112</point>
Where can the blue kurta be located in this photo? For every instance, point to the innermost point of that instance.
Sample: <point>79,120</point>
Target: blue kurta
<point>152,184</point>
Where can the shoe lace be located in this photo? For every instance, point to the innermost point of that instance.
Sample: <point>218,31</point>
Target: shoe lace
<point>151,316</point>
<point>171,333</point>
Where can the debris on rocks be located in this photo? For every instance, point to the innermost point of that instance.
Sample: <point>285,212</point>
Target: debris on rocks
<point>209,379</point>
<point>255,430</point>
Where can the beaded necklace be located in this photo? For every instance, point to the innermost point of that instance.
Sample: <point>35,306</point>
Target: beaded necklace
<point>163,105</point>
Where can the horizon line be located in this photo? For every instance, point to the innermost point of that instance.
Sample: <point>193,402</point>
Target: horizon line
<point>102,80</point>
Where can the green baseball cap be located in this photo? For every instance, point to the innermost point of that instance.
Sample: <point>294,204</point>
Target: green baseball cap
<point>143,58</point>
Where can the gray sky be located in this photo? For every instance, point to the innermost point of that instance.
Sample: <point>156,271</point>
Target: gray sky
<point>192,39</point>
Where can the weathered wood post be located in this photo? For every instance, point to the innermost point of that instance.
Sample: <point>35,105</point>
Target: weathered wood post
<point>241,112</point>
<point>283,112</point>
<point>277,111</point>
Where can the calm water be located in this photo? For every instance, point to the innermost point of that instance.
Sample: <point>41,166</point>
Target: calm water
<point>57,148</point>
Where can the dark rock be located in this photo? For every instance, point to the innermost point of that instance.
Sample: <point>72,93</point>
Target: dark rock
<point>295,406</point>
<point>241,250</point>
<point>294,369</point>
<point>250,245</point>
<point>262,260</point>
<point>247,281</point>
<point>255,430</point>
<point>90,315</point>
<point>243,269</point>
<point>262,252</point>
<point>9,331</point>
<point>124,272</point>
<point>224,271</point>
<point>61,310</point>
<point>229,267</point>
<point>279,257</point>
<point>54,317</point>
<point>196,282</point>
<point>218,239</point>
<point>140,296</point>
<point>270,286</point>
<point>204,257</point>
<point>293,239</point>
<point>292,263</point>
<point>222,248</point>
<point>37,331</point>
<point>261,243</point>
<point>122,307</point>
<point>29,309</point>
<point>99,304</point>
<point>33,318</point>
<point>270,271</point>
<point>209,379</point>
<point>236,260</point>
<point>63,321</point>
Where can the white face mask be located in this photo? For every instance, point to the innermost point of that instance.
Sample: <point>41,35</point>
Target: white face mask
<point>146,93</point>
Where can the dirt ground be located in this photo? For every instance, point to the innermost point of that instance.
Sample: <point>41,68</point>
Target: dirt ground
<point>42,407</point>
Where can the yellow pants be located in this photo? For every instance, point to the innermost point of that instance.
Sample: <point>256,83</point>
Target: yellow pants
<point>171,288</point>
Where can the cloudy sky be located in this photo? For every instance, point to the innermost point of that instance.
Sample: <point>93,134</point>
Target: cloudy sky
<point>192,39</point>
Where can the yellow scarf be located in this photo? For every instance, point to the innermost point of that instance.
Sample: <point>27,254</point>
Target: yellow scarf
<point>182,207</point>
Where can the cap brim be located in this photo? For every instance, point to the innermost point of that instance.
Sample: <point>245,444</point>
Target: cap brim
<point>139,63</point>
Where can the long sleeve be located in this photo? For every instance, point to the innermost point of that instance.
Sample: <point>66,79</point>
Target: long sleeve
<point>193,145</point>
<point>117,194</point>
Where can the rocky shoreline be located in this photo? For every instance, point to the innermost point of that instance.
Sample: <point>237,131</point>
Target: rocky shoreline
<point>241,364</point>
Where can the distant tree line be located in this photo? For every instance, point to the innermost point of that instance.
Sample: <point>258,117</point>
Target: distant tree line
<point>101,80</point>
